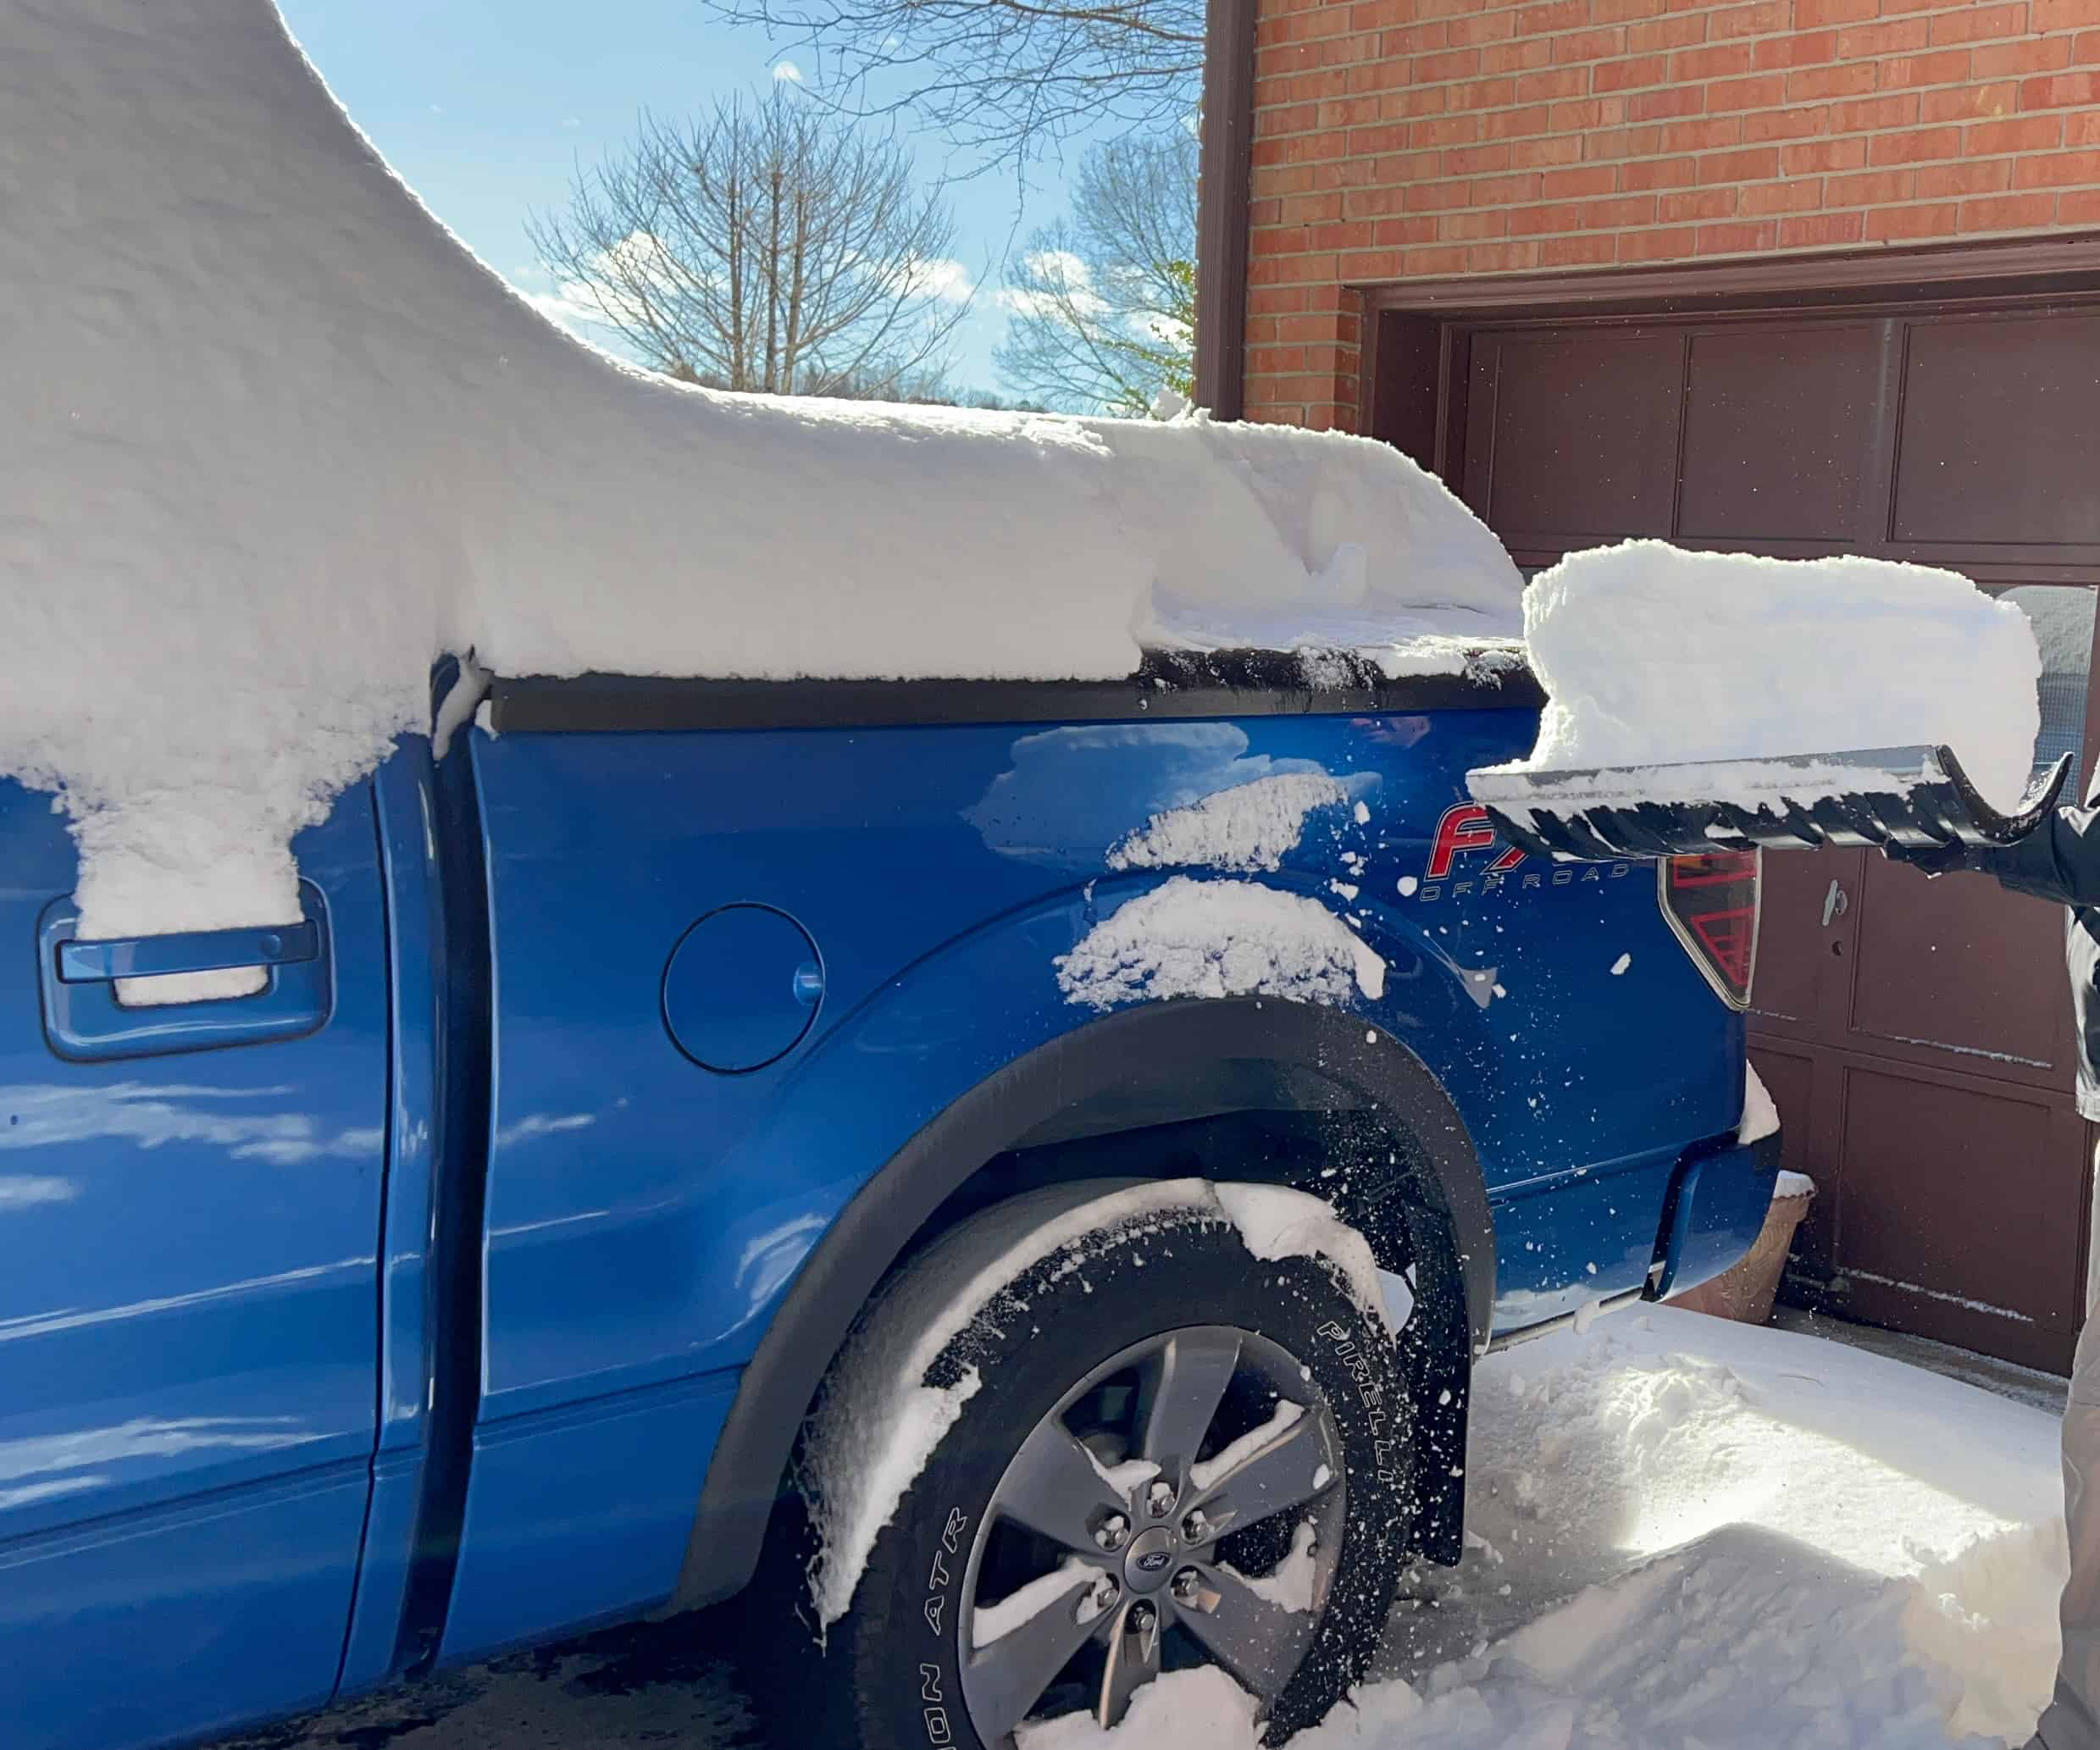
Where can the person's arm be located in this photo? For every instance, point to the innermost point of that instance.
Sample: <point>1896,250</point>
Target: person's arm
<point>2059,861</point>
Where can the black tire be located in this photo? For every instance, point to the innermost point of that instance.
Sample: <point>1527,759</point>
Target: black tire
<point>890,1677</point>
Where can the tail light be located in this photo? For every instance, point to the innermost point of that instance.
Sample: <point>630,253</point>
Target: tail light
<point>1711,901</point>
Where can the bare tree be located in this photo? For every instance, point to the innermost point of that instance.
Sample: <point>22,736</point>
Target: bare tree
<point>770,246</point>
<point>1007,78</point>
<point>1101,307</point>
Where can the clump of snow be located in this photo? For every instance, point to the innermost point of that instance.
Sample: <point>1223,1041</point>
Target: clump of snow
<point>276,441</point>
<point>1276,1222</point>
<point>1760,1116</point>
<point>1251,826</point>
<point>989,1623</point>
<point>1651,655</point>
<point>1229,1458</point>
<point>878,1421</point>
<point>1793,1184</point>
<point>1219,938</point>
<point>1733,1538</point>
<point>1289,1585</point>
<point>1618,966</point>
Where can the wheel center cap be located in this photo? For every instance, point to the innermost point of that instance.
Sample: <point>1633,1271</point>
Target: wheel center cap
<point>1149,1561</point>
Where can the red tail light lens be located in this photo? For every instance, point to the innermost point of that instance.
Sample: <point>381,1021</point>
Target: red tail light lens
<point>1711,901</point>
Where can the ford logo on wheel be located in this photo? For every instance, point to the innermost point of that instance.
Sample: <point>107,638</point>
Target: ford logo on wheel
<point>1153,1561</point>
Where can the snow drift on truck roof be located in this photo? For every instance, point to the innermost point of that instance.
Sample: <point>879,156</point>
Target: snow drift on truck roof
<point>278,441</point>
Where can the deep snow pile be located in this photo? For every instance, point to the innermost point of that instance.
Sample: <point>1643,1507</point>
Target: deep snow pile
<point>1651,655</point>
<point>1694,1533</point>
<point>276,441</point>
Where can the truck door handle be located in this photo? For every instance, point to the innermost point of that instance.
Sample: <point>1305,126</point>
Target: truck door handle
<point>1835,903</point>
<point>85,1022</point>
<point>190,951</point>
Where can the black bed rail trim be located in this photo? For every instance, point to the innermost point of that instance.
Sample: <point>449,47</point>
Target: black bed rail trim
<point>1169,684</point>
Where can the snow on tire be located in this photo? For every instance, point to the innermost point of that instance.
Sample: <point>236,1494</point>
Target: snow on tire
<point>1088,1438</point>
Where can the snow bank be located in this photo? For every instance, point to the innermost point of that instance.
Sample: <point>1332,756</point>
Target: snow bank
<point>1651,655</point>
<point>1691,1532</point>
<point>1217,939</point>
<point>276,441</point>
<point>878,1420</point>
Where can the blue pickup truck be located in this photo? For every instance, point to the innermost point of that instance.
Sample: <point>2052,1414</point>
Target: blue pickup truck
<point>670,1054</point>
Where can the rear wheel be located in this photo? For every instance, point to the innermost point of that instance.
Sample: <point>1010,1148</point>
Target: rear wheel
<point>1174,1455</point>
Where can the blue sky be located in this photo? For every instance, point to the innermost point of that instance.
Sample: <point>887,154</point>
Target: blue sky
<point>485,107</point>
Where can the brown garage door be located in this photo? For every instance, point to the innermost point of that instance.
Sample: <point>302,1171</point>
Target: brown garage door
<point>1916,1035</point>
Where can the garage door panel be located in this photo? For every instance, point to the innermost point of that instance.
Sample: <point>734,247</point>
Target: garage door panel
<point>2001,428</point>
<point>1960,964</point>
<point>1952,1192</point>
<point>1582,445</point>
<point>1777,429</point>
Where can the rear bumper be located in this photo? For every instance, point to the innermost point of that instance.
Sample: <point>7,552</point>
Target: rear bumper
<point>1714,1212</point>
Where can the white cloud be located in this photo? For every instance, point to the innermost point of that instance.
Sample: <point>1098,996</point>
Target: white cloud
<point>945,279</point>
<point>571,121</point>
<point>1056,271</point>
<point>787,71</point>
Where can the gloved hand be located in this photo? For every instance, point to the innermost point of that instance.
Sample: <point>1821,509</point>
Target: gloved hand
<point>1934,860</point>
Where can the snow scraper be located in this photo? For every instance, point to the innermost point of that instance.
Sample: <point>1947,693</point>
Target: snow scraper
<point>1874,797</point>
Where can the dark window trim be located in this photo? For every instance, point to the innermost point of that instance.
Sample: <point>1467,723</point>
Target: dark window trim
<point>1224,189</point>
<point>1170,685</point>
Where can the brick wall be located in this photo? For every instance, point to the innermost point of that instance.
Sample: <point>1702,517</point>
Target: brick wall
<point>1409,138</point>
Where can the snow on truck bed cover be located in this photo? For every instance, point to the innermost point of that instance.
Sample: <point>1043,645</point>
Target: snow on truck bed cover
<point>280,441</point>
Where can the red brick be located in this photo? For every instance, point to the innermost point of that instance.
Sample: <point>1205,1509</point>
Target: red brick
<point>1547,87</point>
<point>1759,198</point>
<point>1754,164</point>
<point>1622,210</point>
<point>1803,49</point>
<point>1574,118</point>
<point>1473,160</point>
<point>1977,176</point>
<point>1848,79</point>
<point>1736,239</point>
<point>1760,19</point>
<point>1389,233</point>
<point>1719,60</point>
<point>2080,208</point>
<point>1897,224</point>
<point>1525,54</point>
<point>1434,263</point>
<point>1785,125</point>
<point>1885,37</point>
<point>1870,115</point>
<point>1658,173</point>
<point>1661,106</point>
<point>1588,45</point>
<point>1483,94</point>
<point>1872,188</point>
<point>1501,257</point>
<point>1689,204</point>
<point>2067,169</point>
<point>1763,91</point>
<point>2061,91</point>
<point>1680,31</point>
<point>1573,184</point>
<point>1706,135</point>
<point>1594,251</point>
<point>1917,147</point>
<point>1549,15</point>
<point>1980,24</point>
<point>1542,154</point>
<point>1619,12</point>
<point>1968,102</point>
<point>1945,66</point>
<point>2024,133</point>
<point>2008,213</point>
<point>1821,230</point>
<point>1402,166</point>
<point>2083,129</point>
<point>1471,227</point>
<point>1419,100</point>
<point>2034,54</point>
<point>1502,190</point>
<point>1437,197</point>
<point>1516,123</point>
<point>1537,221</point>
<point>1659,246</point>
<point>1443,130</point>
<point>1629,75</point>
<point>2065,15</point>
<point>1452,64</point>
<point>1811,15</point>
<point>1482,28</point>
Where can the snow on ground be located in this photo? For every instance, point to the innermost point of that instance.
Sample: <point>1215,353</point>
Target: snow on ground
<point>1651,655</point>
<point>276,441</point>
<point>1692,1533</point>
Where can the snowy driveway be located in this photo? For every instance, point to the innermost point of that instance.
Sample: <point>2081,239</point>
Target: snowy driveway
<point>1767,1540</point>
